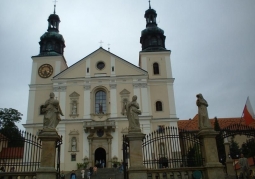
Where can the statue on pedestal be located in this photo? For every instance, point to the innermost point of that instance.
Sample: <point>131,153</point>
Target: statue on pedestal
<point>202,112</point>
<point>52,112</point>
<point>132,111</point>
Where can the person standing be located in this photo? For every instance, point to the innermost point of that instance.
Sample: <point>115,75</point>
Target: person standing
<point>73,175</point>
<point>95,170</point>
<point>244,166</point>
<point>82,173</point>
<point>62,175</point>
<point>103,163</point>
<point>91,170</point>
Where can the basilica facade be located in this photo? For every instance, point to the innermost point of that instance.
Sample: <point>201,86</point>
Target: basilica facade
<point>93,91</point>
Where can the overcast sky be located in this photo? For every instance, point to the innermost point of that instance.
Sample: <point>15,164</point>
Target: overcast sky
<point>212,44</point>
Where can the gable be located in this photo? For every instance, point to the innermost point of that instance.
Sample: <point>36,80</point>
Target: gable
<point>89,67</point>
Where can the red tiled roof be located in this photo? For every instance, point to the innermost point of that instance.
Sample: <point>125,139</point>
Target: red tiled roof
<point>12,152</point>
<point>192,124</point>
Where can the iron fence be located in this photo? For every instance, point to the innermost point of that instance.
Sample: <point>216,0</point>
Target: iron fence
<point>171,147</point>
<point>20,153</point>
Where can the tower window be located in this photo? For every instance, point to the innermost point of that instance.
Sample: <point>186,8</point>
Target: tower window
<point>112,68</point>
<point>100,102</point>
<point>87,70</point>
<point>155,68</point>
<point>158,106</point>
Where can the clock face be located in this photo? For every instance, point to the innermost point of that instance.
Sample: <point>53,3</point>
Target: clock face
<point>45,71</point>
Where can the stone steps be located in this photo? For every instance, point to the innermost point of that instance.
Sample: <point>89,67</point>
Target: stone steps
<point>102,173</point>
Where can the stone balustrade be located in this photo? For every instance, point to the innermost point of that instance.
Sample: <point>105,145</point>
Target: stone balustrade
<point>176,173</point>
<point>95,124</point>
<point>18,175</point>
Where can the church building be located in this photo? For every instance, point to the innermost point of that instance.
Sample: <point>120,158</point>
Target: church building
<point>93,91</point>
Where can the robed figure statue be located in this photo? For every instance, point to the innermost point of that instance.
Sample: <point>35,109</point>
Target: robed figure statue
<point>202,112</point>
<point>132,112</point>
<point>52,112</point>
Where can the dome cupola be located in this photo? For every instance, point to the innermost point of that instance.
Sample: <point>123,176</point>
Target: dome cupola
<point>152,38</point>
<point>52,43</point>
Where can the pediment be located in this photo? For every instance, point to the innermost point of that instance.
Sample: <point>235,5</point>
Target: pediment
<point>88,67</point>
<point>74,132</point>
<point>124,92</point>
<point>74,95</point>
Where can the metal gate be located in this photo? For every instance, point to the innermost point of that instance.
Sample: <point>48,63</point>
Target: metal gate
<point>58,147</point>
<point>125,147</point>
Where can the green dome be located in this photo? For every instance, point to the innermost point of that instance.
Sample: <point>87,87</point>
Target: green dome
<point>54,16</point>
<point>150,11</point>
<point>152,30</point>
<point>52,35</point>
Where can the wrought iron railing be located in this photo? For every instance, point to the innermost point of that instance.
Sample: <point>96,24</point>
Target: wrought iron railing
<point>172,148</point>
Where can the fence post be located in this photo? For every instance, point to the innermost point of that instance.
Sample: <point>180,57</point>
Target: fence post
<point>229,161</point>
<point>49,139</point>
<point>136,170</point>
<point>214,169</point>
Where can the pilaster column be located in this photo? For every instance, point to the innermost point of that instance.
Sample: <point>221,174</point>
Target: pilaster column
<point>113,95</point>
<point>86,101</point>
<point>136,170</point>
<point>145,101</point>
<point>90,152</point>
<point>109,153</point>
<point>214,169</point>
<point>47,169</point>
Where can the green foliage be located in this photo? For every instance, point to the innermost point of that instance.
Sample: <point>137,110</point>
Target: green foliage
<point>234,149</point>
<point>8,117</point>
<point>194,156</point>
<point>84,164</point>
<point>216,125</point>
<point>8,128</point>
<point>248,148</point>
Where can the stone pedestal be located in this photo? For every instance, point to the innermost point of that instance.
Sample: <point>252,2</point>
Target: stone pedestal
<point>136,170</point>
<point>214,169</point>
<point>47,169</point>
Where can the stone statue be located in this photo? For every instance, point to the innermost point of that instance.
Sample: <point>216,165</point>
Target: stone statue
<point>132,111</point>
<point>202,112</point>
<point>52,111</point>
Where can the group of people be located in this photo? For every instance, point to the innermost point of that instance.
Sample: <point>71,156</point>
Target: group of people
<point>100,163</point>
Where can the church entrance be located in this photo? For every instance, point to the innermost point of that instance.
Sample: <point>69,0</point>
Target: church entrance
<point>100,158</point>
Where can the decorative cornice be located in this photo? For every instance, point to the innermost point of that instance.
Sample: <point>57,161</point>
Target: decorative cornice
<point>140,85</point>
<point>59,88</point>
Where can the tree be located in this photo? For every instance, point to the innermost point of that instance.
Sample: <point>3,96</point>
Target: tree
<point>248,148</point>
<point>234,149</point>
<point>194,156</point>
<point>8,128</point>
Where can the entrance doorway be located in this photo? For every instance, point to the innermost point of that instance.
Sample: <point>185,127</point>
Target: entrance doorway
<point>100,158</point>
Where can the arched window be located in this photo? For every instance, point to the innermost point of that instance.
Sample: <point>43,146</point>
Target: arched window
<point>100,102</point>
<point>155,68</point>
<point>158,106</point>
